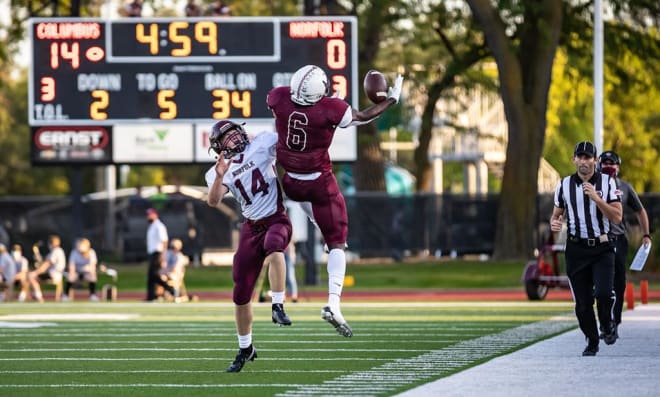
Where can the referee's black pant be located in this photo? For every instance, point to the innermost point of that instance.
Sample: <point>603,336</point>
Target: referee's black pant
<point>590,272</point>
<point>620,257</point>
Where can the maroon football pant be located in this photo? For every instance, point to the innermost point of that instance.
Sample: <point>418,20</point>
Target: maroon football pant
<point>328,204</point>
<point>258,239</point>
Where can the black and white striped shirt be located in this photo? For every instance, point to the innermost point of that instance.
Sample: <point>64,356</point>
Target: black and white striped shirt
<point>585,220</point>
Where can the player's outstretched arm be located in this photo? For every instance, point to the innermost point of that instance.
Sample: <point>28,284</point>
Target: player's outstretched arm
<point>217,189</point>
<point>372,112</point>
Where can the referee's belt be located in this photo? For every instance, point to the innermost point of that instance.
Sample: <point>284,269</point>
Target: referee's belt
<point>589,242</point>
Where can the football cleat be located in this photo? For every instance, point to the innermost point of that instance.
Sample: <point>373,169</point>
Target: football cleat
<point>243,356</point>
<point>279,315</point>
<point>337,321</point>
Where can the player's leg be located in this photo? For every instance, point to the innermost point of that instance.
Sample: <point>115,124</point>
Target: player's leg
<point>276,240</point>
<point>332,218</point>
<point>330,215</point>
<point>247,265</point>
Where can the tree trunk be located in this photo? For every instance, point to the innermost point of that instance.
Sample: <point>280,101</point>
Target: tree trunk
<point>423,172</point>
<point>369,170</point>
<point>524,73</point>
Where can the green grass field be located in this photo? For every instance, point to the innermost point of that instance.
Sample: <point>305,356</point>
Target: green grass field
<point>147,349</point>
<point>422,275</point>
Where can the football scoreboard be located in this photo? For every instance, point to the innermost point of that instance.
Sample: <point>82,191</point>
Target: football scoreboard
<point>105,72</point>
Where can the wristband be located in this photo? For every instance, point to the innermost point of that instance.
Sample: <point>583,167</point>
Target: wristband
<point>647,235</point>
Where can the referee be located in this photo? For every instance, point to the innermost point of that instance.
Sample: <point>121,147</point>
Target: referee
<point>610,163</point>
<point>591,203</point>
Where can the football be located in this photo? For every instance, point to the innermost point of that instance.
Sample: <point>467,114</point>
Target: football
<point>375,86</point>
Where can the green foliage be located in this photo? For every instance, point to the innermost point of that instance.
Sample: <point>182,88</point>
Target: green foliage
<point>17,176</point>
<point>631,103</point>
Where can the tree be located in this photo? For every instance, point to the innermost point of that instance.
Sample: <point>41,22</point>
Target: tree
<point>442,51</point>
<point>524,54</point>
<point>523,38</point>
<point>369,171</point>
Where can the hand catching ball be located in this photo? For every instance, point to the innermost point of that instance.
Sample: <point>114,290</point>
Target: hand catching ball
<point>375,86</point>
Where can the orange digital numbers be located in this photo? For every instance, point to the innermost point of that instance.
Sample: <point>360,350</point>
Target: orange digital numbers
<point>47,89</point>
<point>340,85</point>
<point>97,110</point>
<point>207,32</point>
<point>226,100</point>
<point>66,51</point>
<point>178,38</point>
<point>166,103</point>
<point>150,37</point>
<point>336,54</point>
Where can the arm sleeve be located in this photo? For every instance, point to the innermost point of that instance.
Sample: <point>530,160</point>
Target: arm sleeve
<point>613,192</point>
<point>633,200</point>
<point>559,196</point>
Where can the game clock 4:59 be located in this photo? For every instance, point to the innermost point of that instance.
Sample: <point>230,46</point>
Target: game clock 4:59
<point>93,71</point>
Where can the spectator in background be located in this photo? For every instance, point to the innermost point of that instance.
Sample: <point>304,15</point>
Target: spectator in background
<point>22,267</point>
<point>52,268</point>
<point>131,9</point>
<point>192,9</point>
<point>219,9</point>
<point>7,272</point>
<point>157,239</point>
<point>82,267</point>
<point>175,268</point>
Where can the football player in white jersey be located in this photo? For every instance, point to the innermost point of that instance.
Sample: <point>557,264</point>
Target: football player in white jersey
<point>247,169</point>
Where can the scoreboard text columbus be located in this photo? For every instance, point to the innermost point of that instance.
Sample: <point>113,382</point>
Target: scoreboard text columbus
<point>93,71</point>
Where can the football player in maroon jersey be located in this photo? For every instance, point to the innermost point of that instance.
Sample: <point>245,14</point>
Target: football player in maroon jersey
<point>306,119</point>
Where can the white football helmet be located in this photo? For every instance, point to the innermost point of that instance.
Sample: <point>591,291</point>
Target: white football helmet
<point>308,85</point>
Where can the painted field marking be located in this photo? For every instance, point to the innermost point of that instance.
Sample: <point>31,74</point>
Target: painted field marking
<point>432,365</point>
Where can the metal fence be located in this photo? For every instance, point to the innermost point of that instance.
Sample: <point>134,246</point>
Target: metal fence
<point>380,225</point>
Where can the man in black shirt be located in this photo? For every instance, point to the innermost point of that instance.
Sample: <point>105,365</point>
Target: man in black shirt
<point>609,163</point>
<point>591,202</point>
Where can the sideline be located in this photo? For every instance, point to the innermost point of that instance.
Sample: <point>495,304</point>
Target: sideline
<point>555,367</point>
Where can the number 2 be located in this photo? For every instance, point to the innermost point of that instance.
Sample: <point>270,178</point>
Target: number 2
<point>98,107</point>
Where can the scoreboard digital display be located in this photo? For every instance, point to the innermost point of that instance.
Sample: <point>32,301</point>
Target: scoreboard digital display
<point>94,71</point>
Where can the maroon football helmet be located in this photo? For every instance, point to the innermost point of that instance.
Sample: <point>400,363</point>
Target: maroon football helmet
<point>224,132</point>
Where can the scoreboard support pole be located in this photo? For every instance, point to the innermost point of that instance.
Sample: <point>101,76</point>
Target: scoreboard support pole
<point>75,183</point>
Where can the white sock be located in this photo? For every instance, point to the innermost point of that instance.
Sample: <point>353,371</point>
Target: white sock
<point>278,297</point>
<point>336,273</point>
<point>38,295</point>
<point>244,341</point>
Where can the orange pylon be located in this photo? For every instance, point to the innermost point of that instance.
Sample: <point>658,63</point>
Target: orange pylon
<point>644,291</point>
<point>630,296</point>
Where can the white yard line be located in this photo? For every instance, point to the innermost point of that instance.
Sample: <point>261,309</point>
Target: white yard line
<point>398,373</point>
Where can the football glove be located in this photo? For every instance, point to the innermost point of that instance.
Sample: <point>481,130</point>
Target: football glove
<point>395,91</point>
